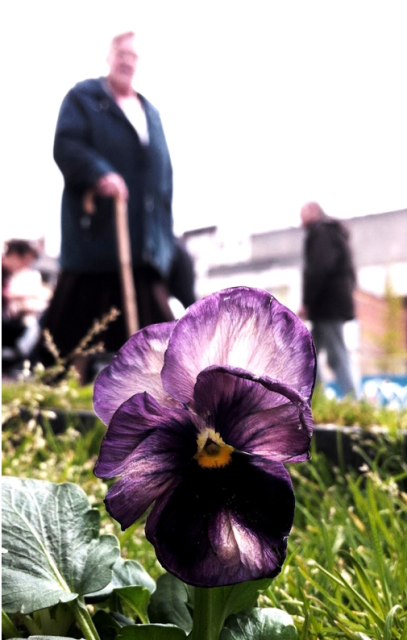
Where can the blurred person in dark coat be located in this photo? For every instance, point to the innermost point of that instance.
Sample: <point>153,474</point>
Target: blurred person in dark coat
<point>110,139</point>
<point>328,286</point>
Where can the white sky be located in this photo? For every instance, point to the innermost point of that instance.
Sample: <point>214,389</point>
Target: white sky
<point>266,104</point>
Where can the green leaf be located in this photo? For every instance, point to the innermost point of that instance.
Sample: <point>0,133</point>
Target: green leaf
<point>53,620</point>
<point>138,599</point>
<point>130,573</point>
<point>152,632</point>
<point>260,624</point>
<point>8,628</point>
<point>212,606</point>
<point>126,573</point>
<point>53,552</point>
<point>240,596</point>
<point>169,603</point>
<point>108,624</point>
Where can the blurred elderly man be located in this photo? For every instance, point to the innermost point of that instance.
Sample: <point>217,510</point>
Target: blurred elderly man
<point>110,142</point>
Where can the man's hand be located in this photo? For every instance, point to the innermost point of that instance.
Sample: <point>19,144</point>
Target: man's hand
<point>112,185</point>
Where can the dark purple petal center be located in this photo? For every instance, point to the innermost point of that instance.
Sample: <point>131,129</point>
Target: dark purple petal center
<point>224,525</point>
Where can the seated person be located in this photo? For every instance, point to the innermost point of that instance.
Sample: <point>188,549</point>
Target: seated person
<point>24,298</point>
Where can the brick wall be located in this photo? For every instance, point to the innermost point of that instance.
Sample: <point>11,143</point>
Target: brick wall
<point>373,314</point>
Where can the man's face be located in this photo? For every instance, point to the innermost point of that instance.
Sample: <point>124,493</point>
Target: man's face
<point>310,213</point>
<point>122,61</point>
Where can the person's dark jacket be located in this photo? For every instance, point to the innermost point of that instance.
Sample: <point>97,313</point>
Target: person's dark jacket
<point>181,279</point>
<point>329,275</point>
<point>94,137</point>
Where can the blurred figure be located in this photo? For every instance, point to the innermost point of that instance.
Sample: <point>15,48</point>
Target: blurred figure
<point>109,139</point>
<point>328,285</point>
<point>24,298</point>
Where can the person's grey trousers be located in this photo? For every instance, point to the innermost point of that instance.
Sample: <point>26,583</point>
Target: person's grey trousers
<point>328,335</point>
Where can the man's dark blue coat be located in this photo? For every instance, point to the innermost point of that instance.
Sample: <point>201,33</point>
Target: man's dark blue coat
<point>94,137</point>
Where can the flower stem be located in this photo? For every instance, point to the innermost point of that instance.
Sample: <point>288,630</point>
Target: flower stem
<point>83,619</point>
<point>208,620</point>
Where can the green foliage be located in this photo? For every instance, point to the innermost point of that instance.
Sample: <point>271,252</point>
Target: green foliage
<point>152,632</point>
<point>33,393</point>
<point>360,413</point>
<point>345,572</point>
<point>31,449</point>
<point>171,603</point>
<point>176,603</point>
<point>53,556</point>
<point>53,550</point>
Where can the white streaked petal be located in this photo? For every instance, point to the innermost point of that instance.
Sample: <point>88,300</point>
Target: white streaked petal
<point>136,368</point>
<point>243,328</point>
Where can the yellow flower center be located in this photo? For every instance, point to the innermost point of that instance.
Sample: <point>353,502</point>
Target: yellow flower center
<point>212,451</point>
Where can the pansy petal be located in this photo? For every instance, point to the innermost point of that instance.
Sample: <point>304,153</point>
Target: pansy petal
<point>134,369</point>
<point>255,415</point>
<point>142,427</point>
<point>151,470</point>
<point>239,327</point>
<point>227,525</point>
<point>129,498</point>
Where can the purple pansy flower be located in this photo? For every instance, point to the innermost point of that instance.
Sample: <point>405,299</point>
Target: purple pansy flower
<point>203,413</point>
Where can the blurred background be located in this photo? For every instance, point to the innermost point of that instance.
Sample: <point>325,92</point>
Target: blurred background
<point>265,105</point>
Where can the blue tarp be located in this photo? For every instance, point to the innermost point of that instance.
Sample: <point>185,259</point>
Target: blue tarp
<point>383,390</point>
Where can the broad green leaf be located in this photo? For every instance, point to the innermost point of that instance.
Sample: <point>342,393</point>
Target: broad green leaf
<point>240,596</point>
<point>138,599</point>
<point>126,573</point>
<point>132,583</point>
<point>152,632</point>
<point>130,573</point>
<point>260,624</point>
<point>53,551</point>
<point>108,624</point>
<point>169,603</point>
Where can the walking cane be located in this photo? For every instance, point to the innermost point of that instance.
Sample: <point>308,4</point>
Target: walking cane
<point>125,262</point>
